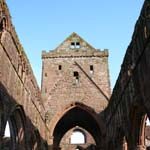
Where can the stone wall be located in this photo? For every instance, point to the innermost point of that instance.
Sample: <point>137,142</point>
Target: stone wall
<point>74,75</point>
<point>129,103</point>
<point>32,117</point>
<point>20,98</point>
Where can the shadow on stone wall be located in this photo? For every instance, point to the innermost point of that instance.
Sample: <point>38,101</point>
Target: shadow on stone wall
<point>23,134</point>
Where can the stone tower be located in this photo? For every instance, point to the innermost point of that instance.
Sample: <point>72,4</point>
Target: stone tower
<point>75,89</point>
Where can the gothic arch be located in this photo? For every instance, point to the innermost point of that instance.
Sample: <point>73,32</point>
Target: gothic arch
<point>80,115</point>
<point>137,129</point>
<point>17,121</point>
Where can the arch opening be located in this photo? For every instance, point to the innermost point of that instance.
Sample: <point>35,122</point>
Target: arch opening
<point>77,137</point>
<point>138,128</point>
<point>8,141</point>
<point>76,117</point>
<point>7,130</point>
<point>14,133</point>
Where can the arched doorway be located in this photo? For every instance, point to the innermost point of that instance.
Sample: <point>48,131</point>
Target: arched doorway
<point>77,116</point>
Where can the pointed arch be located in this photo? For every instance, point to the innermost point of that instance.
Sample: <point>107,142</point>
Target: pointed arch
<point>77,114</point>
<point>17,121</point>
<point>137,128</point>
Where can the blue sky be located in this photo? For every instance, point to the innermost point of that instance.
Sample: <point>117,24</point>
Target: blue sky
<point>44,24</point>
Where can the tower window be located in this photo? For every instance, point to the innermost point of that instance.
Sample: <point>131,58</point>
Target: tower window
<point>59,67</point>
<point>72,45</point>
<point>76,75</point>
<point>75,45</point>
<point>91,68</point>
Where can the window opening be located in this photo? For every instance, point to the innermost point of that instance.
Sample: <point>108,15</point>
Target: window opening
<point>91,69</point>
<point>77,137</point>
<point>59,67</point>
<point>3,25</point>
<point>7,130</point>
<point>72,45</point>
<point>76,75</point>
<point>147,122</point>
<point>75,45</point>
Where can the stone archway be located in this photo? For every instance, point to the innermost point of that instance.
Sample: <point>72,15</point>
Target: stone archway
<point>16,121</point>
<point>136,139</point>
<point>77,115</point>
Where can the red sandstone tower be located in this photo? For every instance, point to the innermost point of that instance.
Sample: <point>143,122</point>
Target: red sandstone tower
<point>75,89</point>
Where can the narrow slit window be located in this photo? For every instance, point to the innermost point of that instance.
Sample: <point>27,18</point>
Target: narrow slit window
<point>59,67</point>
<point>91,68</point>
<point>76,75</point>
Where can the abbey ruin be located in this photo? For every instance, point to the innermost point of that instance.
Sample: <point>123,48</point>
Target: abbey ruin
<point>75,96</point>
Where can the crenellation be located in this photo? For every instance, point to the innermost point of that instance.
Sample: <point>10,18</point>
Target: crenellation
<point>66,54</point>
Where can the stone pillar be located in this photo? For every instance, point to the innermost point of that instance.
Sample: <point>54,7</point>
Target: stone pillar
<point>50,140</point>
